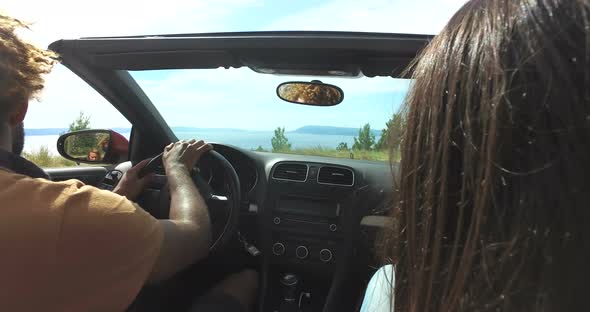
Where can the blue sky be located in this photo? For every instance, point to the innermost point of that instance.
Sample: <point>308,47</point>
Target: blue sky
<point>202,98</point>
<point>243,99</point>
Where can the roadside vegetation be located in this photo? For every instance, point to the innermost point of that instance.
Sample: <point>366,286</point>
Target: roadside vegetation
<point>325,152</point>
<point>44,159</point>
<point>365,146</point>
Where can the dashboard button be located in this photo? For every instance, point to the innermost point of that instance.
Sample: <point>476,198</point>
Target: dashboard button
<point>301,252</point>
<point>276,220</point>
<point>326,255</point>
<point>278,249</point>
<point>333,227</point>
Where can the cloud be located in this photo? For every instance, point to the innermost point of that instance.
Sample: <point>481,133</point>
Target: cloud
<point>389,16</point>
<point>209,98</point>
<point>241,98</point>
<point>64,96</point>
<point>65,93</point>
<point>53,20</point>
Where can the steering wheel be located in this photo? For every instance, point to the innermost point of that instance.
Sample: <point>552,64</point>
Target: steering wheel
<point>223,207</point>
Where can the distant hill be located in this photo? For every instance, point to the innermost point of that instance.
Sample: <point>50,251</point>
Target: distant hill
<point>191,129</point>
<point>321,130</point>
<point>58,131</point>
<point>326,130</point>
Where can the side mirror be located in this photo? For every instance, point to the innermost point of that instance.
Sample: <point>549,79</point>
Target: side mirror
<point>93,146</point>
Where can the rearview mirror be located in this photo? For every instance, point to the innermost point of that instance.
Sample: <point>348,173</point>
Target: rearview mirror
<point>313,93</point>
<point>93,146</point>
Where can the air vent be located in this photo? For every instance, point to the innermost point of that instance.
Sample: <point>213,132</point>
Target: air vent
<point>291,172</point>
<point>335,176</point>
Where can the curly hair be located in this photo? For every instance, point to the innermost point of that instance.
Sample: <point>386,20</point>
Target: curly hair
<point>22,66</point>
<point>310,93</point>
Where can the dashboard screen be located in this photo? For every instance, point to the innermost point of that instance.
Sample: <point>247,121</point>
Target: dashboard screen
<point>308,207</point>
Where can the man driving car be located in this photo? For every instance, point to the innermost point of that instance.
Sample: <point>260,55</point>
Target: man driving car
<point>67,246</point>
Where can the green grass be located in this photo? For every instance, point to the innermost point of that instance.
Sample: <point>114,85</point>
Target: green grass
<point>326,152</point>
<point>42,158</point>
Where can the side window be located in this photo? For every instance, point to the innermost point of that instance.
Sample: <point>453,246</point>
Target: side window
<point>66,104</point>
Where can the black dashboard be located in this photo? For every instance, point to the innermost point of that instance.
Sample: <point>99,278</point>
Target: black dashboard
<point>255,170</point>
<point>304,213</point>
<point>309,214</point>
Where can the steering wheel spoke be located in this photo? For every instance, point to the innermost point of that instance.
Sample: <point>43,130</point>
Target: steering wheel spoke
<point>218,198</point>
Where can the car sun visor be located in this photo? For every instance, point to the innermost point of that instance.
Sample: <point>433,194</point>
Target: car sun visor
<point>192,59</point>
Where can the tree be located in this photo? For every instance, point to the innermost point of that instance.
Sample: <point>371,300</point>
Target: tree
<point>82,122</point>
<point>396,130</point>
<point>80,144</point>
<point>280,142</point>
<point>259,149</point>
<point>392,134</point>
<point>343,146</point>
<point>365,140</point>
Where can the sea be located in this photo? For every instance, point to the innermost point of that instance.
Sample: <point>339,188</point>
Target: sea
<point>243,139</point>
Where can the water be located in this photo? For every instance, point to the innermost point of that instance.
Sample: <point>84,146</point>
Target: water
<point>34,142</point>
<point>243,139</point>
<point>254,139</point>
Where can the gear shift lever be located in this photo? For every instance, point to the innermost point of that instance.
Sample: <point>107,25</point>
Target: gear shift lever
<point>289,282</point>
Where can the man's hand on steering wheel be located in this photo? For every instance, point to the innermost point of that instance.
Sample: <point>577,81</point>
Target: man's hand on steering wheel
<point>184,154</point>
<point>131,185</point>
<point>179,155</point>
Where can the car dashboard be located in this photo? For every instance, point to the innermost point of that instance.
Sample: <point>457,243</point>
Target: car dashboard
<point>312,217</point>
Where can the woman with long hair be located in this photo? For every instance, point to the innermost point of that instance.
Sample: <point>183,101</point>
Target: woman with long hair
<point>493,207</point>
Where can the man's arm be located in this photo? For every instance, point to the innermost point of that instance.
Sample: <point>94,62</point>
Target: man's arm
<point>187,234</point>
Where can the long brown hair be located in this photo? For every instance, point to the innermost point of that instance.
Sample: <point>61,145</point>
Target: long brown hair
<point>494,182</point>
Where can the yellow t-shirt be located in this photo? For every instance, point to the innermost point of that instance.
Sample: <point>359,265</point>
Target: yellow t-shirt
<point>65,246</point>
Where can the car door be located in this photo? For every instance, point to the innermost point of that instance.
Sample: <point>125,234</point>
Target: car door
<point>88,175</point>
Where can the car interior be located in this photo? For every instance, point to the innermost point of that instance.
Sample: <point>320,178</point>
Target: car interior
<point>308,224</point>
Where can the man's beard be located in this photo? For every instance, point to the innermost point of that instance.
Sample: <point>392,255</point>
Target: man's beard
<point>18,138</point>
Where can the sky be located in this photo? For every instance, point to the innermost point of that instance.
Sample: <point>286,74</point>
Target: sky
<point>243,99</point>
<point>200,98</point>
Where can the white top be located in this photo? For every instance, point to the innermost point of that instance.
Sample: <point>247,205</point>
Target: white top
<point>379,293</point>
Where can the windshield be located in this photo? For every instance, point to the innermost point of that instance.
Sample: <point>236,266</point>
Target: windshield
<point>240,107</point>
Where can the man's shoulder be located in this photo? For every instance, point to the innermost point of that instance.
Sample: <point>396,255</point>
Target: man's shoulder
<point>11,182</point>
<point>80,207</point>
<point>8,176</point>
<point>22,191</point>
